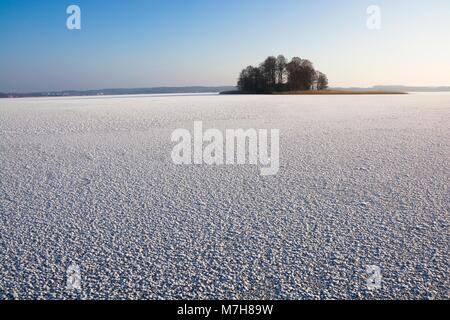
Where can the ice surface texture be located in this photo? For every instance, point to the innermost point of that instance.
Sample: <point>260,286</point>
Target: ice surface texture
<point>364,180</point>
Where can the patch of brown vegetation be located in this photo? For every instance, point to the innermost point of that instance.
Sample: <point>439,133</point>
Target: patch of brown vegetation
<point>336,92</point>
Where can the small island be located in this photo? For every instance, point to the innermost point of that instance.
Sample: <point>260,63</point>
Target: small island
<point>298,77</point>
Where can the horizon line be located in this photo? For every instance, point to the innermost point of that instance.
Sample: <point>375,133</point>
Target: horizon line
<point>165,87</point>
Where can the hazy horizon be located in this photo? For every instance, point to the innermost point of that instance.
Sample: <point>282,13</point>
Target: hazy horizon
<point>206,87</point>
<point>144,44</point>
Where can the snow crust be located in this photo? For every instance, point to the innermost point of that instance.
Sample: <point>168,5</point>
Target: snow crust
<point>363,180</point>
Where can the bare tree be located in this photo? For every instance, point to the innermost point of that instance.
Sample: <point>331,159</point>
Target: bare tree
<point>301,74</point>
<point>269,70</point>
<point>307,74</point>
<point>251,80</point>
<point>293,70</point>
<point>281,70</point>
<point>322,81</point>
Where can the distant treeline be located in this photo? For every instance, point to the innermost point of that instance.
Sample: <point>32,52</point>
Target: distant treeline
<point>278,75</point>
<point>124,91</point>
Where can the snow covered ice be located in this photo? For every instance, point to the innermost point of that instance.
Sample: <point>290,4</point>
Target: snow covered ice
<point>363,181</point>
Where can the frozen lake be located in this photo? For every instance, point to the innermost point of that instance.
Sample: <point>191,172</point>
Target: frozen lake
<point>363,181</point>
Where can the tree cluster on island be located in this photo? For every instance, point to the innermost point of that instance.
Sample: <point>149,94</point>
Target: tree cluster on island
<point>279,75</point>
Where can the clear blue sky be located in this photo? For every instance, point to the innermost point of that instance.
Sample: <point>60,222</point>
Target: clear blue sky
<point>143,43</point>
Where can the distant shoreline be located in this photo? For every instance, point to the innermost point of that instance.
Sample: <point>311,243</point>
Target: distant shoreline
<point>220,89</point>
<point>119,92</point>
<point>316,92</point>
